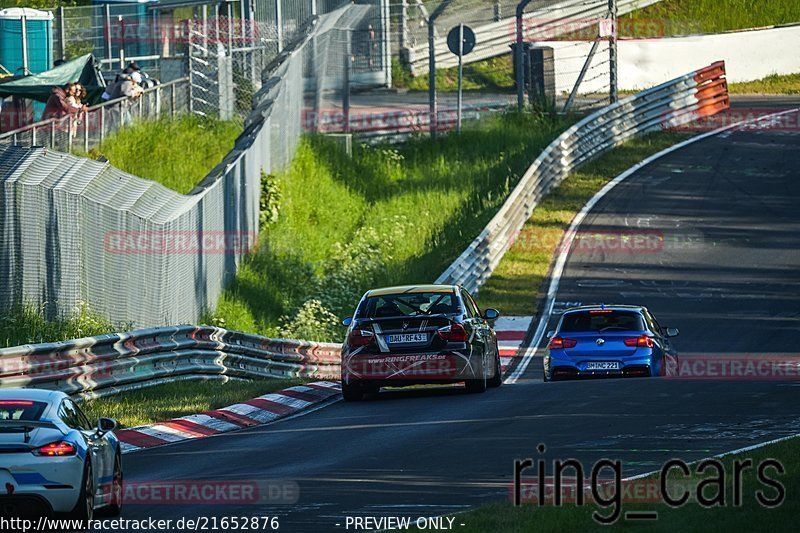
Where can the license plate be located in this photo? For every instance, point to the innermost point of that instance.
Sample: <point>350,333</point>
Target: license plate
<point>603,365</point>
<point>407,338</point>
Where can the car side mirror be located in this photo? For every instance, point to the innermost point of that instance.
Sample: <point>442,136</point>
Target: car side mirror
<point>551,333</point>
<point>347,321</point>
<point>491,314</point>
<point>104,425</point>
<point>672,332</point>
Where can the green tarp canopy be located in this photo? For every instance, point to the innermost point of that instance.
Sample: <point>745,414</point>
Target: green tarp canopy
<point>39,86</point>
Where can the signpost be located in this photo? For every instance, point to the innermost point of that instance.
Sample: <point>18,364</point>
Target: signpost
<point>460,41</point>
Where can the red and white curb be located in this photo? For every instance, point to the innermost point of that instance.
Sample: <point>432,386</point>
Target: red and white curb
<point>511,331</point>
<point>257,411</point>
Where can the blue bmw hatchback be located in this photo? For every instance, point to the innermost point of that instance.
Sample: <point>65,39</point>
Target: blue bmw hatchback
<point>616,340</point>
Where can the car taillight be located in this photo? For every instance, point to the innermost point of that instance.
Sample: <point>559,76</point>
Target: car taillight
<point>557,343</point>
<point>642,341</point>
<point>360,337</point>
<point>453,333</point>
<point>55,449</point>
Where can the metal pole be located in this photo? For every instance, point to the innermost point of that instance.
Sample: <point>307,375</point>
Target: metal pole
<point>313,8</point>
<point>25,69</point>
<point>612,51</point>
<point>519,60</point>
<point>62,34</point>
<point>433,104</point>
<point>403,23</point>
<point>109,53</point>
<point>205,29</point>
<point>460,74</point>
<point>230,28</point>
<point>498,11</point>
<point>346,89</point>
<point>279,24</point>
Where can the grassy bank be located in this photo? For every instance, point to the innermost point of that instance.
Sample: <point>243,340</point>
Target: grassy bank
<point>685,17</point>
<point>176,153</point>
<point>515,284</point>
<point>179,398</point>
<point>25,324</point>
<point>775,84</point>
<point>750,516</point>
<point>384,216</point>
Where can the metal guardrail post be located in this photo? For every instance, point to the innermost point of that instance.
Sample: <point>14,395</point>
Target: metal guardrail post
<point>52,134</point>
<point>33,136</point>
<point>612,51</point>
<point>86,133</point>
<point>172,99</point>
<point>519,56</point>
<point>102,124</point>
<point>70,123</point>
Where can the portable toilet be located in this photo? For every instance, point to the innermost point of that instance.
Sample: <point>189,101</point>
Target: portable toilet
<point>38,36</point>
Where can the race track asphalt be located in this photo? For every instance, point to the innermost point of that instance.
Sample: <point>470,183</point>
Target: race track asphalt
<point>728,276</point>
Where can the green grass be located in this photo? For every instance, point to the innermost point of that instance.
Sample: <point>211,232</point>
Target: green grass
<point>515,284</point>
<point>387,216</point>
<point>775,84</point>
<point>691,517</point>
<point>179,398</point>
<point>176,153</point>
<point>685,17</point>
<point>495,75</point>
<point>26,324</point>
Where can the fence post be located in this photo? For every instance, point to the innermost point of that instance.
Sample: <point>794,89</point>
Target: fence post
<point>102,124</point>
<point>313,8</point>
<point>33,136</point>
<point>434,105</point>
<point>172,99</point>
<point>346,89</point>
<point>52,134</point>
<point>519,55</point>
<point>62,33</point>
<point>403,24</point>
<point>279,24</point>
<point>109,53</point>
<point>612,51</point>
<point>70,123</point>
<point>86,132</point>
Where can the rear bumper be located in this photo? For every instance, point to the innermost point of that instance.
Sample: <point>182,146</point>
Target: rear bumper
<point>24,506</point>
<point>401,369</point>
<point>563,367</point>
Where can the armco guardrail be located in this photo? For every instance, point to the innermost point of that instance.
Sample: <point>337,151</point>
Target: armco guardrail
<point>124,361</point>
<point>543,24</point>
<point>697,94</point>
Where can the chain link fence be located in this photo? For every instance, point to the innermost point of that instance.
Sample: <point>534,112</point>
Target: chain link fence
<point>76,231</point>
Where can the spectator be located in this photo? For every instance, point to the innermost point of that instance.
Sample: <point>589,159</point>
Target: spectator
<point>76,97</point>
<point>58,104</point>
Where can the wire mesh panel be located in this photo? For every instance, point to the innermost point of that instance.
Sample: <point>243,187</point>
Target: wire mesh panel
<point>73,230</point>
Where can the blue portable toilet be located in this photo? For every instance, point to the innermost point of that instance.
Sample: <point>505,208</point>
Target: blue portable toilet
<point>39,32</point>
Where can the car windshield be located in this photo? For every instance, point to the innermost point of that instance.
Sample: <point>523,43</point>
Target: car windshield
<point>408,304</point>
<point>21,410</point>
<point>602,320</point>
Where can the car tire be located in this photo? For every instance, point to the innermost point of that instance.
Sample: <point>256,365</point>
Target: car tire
<point>117,492</point>
<point>497,380</point>
<point>352,392</point>
<point>84,507</point>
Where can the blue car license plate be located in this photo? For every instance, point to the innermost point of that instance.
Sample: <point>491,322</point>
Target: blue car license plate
<point>603,365</point>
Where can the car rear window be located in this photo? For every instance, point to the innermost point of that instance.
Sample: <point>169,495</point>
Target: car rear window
<point>21,410</point>
<point>408,304</point>
<point>602,320</point>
